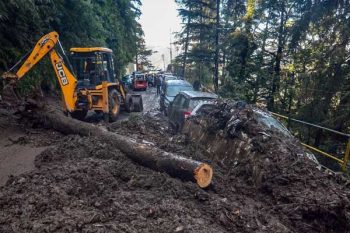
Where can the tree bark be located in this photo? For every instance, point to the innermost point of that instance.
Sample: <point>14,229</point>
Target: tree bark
<point>186,46</point>
<point>144,154</point>
<point>278,59</point>
<point>261,61</point>
<point>217,49</point>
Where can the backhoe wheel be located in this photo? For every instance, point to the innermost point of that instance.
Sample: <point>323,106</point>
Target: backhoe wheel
<point>79,114</point>
<point>113,105</point>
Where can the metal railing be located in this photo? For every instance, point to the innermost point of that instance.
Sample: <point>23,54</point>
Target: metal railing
<point>343,161</point>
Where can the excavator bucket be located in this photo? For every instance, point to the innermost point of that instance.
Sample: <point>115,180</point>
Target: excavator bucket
<point>8,92</point>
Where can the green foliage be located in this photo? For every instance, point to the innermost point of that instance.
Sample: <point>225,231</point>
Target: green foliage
<point>291,56</point>
<point>201,73</point>
<point>143,54</point>
<point>198,34</point>
<point>110,23</point>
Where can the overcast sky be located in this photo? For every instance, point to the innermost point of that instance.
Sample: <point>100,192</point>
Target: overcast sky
<point>158,18</point>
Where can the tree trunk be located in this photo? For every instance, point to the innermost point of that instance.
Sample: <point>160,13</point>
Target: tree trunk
<point>144,154</point>
<point>290,99</point>
<point>278,58</point>
<point>261,62</point>
<point>216,72</point>
<point>186,46</point>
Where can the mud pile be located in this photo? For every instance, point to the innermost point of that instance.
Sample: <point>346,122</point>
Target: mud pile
<point>85,184</point>
<point>257,153</point>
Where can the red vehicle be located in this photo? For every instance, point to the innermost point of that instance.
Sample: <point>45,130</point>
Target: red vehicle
<point>139,82</point>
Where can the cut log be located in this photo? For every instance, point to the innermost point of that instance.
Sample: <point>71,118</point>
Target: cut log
<point>144,154</point>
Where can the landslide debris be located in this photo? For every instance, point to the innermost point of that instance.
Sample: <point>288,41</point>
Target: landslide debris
<point>257,153</point>
<point>264,183</point>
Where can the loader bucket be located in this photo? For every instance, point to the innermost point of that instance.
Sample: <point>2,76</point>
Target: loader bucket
<point>134,103</point>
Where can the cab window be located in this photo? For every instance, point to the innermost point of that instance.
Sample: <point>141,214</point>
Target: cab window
<point>106,67</point>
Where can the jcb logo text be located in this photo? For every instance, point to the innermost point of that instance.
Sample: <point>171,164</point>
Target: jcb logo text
<point>61,74</point>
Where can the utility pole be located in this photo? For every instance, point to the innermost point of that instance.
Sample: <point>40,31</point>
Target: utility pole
<point>171,53</point>
<point>137,56</point>
<point>186,46</point>
<point>163,57</point>
<point>137,61</point>
<point>216,73</point>
<point>171,49</point>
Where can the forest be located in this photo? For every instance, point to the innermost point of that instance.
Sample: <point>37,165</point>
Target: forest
<point>291,56</point>
<point>108,23</point>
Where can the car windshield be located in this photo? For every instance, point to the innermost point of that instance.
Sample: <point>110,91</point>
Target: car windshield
<point>174,90</point>
<point>205,108</point>
<point>167,78</point>
<point>140,77</point>
<point>195,102</point>
<point>271,122</point>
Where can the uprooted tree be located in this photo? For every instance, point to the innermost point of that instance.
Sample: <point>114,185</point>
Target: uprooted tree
<point>143,153</point>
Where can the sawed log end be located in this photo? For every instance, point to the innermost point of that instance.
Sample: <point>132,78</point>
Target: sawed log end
<point>203,174</point>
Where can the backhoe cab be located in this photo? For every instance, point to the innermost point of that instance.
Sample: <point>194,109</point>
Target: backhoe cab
<point>92,66</point>
<point>87,79</point>
<point>97,86</point>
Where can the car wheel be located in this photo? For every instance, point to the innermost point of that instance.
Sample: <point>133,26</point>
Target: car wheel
<point>171,128</point>
<point>174,129</point>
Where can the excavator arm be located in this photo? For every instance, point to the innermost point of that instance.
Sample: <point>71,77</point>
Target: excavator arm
<point>65,77</point>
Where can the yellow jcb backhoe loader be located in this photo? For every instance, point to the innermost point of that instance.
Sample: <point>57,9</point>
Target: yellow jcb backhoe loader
<point>87,79</point>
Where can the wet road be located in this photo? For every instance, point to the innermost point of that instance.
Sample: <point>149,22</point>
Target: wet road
<point>150,99</point>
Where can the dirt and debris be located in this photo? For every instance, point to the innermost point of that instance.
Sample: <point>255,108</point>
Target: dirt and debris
<point>263,182</point>
<point>257,153</point>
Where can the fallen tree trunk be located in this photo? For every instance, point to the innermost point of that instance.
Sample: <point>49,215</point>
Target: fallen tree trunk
<point>142,153</point>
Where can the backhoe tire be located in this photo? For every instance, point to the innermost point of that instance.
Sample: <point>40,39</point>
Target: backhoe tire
<point>113,105</point>
<point>79,114</point>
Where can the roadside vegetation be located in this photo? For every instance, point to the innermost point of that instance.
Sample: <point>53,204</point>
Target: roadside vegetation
<point>290,56</point>
<point>80,23</point>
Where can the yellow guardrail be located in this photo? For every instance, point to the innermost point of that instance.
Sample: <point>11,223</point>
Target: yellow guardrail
<point>343,162</point>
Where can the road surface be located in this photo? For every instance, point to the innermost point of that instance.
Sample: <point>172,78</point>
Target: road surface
<point>150,101</point>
